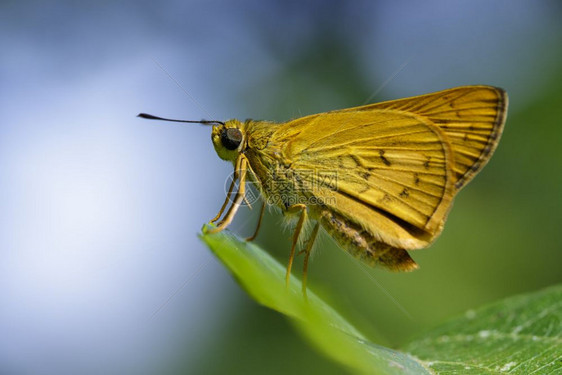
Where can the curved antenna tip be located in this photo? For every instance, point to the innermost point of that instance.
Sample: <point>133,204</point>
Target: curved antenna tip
<point>147,116</point>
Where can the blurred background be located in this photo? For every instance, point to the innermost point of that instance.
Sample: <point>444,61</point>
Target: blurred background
<point>101,270</point>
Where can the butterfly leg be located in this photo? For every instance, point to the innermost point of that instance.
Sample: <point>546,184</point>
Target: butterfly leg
<point>226,201</point>
<point>237,199</point>
<point>298,229</point>
<point>247,202</point>
<point>307,252</point>
<point>253,237</point>
<point>229,193</point>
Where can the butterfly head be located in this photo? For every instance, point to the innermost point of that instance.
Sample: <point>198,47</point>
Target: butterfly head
<point>228,139</point>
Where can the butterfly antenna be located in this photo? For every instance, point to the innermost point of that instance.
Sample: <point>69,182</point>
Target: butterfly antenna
<point>204,122</point>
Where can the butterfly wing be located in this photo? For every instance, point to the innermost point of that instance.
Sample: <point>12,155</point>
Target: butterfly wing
<point>397,164</point>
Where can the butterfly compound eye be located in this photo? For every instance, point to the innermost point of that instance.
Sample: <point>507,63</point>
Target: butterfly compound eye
<point>231,138</point>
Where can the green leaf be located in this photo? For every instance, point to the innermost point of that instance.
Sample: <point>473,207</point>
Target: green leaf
<point>518,335</point>
<point>264,279</point>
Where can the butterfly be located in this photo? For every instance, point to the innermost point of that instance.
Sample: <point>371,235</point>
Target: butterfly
<point>379,179</point>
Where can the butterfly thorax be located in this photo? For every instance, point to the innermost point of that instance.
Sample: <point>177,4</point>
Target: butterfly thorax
<point>271,170</point>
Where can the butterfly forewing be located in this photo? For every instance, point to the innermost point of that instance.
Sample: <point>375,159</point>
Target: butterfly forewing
<point>391,167</point>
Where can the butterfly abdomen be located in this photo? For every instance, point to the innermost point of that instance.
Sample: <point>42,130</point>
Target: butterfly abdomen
<point>362,245</point>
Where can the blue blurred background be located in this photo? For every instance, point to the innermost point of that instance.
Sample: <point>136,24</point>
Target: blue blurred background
<point>101,270</point>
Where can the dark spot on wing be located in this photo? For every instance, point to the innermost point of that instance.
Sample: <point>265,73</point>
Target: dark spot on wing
<point>489,101</point>
<point>416,179</point>
<point>385,199</point>
<point>426,164</point>
<point>405,193</point>
<point>356,160</point>
<point>384,160</point>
